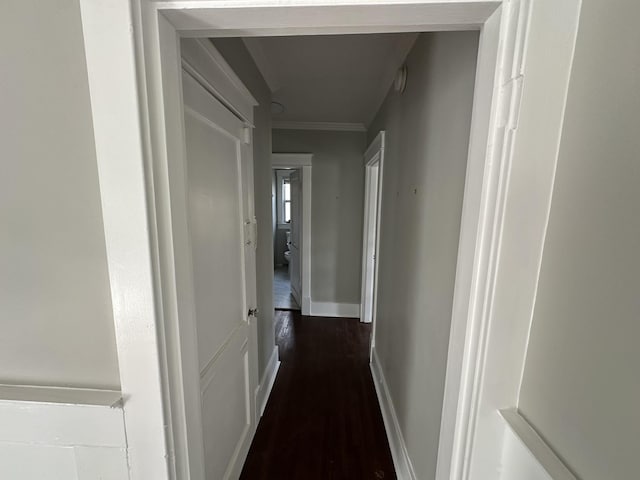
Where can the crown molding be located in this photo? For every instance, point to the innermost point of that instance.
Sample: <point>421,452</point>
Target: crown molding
<point>327,126</point>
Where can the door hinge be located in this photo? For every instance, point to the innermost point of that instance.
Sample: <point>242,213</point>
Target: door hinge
<point>251,232</point>
<point>246,135</point>
<point>253,312</point>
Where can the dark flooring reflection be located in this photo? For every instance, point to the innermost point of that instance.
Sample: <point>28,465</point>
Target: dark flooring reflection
<point>322,420</point>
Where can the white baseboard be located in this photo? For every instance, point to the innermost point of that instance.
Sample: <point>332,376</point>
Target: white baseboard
<point>306,306</point>
<point>331,309</point>
<point>267,381</point>
<point>401,460</point>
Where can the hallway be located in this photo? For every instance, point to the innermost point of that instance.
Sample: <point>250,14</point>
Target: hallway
<point>322,420</point>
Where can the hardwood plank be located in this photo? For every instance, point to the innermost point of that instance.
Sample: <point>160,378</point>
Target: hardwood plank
<point>322,420</point>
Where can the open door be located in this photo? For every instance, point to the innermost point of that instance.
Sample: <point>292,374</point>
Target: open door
<point>295,271</point>
<point>371,232</point>
<point>222,237</point>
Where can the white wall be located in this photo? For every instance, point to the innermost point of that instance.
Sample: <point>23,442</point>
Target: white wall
<point>55,304</point>
<point>424,172</point>
<point>581,387</point>
<point>337,192</point>
<point>236,54</point>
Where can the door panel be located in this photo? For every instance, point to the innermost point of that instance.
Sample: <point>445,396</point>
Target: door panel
<point>219,220</point>
<point>216,234</point>
<point>296,218</point>
<point>226,418</point>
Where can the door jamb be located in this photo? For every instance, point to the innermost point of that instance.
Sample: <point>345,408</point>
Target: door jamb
<point>304,162</point>
<point>373,155</point>
<point>131,48</point>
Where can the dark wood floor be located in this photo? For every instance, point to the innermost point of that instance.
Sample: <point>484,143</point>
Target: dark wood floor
<point>322,420</point>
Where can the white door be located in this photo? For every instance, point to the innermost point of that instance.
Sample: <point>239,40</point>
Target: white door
<point>295,271</point>
<point>370,235</point>
<point>221,231</point>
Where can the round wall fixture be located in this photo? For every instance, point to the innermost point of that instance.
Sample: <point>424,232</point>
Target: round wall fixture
<point>400,82</point>
<point>277,108</point>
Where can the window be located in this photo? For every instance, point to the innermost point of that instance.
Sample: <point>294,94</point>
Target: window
<point>283,197</point>
<point>286,200</point>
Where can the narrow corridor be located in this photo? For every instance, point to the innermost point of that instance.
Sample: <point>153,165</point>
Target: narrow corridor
<point>322,420</point>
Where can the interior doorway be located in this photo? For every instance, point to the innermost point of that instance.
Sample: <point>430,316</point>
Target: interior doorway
<point>373,158</point>
<point>291,219</point>
<point>287,287</point>
<point>154,113</point>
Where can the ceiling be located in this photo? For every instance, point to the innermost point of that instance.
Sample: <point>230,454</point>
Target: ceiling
<point>330,78</point>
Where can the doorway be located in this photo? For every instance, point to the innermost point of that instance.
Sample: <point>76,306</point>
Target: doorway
<point>287,287</point>
<point>373,158</point>
<point>154,64</point>
<point>291,219</point>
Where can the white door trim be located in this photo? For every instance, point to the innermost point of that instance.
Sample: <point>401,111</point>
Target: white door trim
<point>128,211</point>
<point>203,62</point>
<point>303,161</point>
<point>373,158</point>
<point>132,55</point>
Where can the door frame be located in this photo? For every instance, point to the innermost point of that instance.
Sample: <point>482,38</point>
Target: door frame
<point>132,54</point>
<point>373,158</point>
<point>303,162</point>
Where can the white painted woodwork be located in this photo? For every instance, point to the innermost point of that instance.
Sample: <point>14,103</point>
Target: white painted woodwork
<point>373,159</point>
<point>303,162</point>
<point>295,268</point>
<point>132,57</point>
<point>267,380</point>
<point>67,395</point>
<point>201,59</point>
<point>229,18</point>
<point>221,236</point>
<point>525,454</point>
<point>401,460</point>
<point>120,132</point>
<point>528,124</point>
<point>305,263</point>
<point>518,463</point>
<point>62,433</point>
<point>369,244</point>
<point>334,309</point>
<point>482,178</point>
<point>581,385</point>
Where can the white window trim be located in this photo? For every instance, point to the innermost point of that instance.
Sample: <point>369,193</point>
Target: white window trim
<point>281,174</point>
